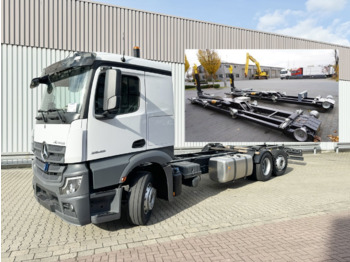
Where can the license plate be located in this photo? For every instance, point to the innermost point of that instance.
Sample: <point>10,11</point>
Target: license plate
<point>46,167</point>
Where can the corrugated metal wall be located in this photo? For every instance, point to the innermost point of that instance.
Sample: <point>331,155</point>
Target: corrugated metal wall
<point>88,26</point>
<point>36,33</point>
<point>19,103</point>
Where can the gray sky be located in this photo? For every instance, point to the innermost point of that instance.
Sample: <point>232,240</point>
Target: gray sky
<point>270,57</point>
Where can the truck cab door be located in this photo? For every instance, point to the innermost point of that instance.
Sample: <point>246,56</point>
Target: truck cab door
<point>125,132</point>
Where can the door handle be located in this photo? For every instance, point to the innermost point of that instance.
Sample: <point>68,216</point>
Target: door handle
<point>139,143</point>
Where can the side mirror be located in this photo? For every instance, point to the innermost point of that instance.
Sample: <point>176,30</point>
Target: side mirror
<point>112,89</point>
<point>35,82</point>
<point>39,80</point>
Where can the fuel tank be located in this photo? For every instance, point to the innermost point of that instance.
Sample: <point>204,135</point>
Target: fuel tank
<point>223,169</point>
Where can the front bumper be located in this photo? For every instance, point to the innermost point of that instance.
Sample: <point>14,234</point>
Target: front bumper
<point>73,208</point>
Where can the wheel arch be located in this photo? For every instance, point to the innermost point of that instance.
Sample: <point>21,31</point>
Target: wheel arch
<point>155,162</point>
<point>161,180</point>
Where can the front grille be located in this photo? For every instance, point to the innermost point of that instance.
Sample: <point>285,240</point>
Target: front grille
<point>56,153</point>
<point>54,172</point>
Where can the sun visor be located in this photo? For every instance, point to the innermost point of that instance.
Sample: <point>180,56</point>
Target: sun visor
<point>78,59</point>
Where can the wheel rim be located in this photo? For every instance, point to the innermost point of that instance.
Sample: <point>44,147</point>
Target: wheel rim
<point>300,134</point>
<point>266,167</point>
<point>315,114</point>
<point>326,105</point>
<point>280,163</point>
<point>149,199</point>
<point>233,112</point>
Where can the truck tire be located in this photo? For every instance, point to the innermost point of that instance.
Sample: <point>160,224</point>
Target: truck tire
<point>141,199</point>
<point>263,170</point>
<point>280,162</point>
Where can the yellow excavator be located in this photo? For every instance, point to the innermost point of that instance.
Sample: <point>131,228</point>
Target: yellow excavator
<point>259,74</point>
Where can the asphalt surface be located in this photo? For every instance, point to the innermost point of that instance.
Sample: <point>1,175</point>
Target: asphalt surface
<point>303,215</point>
<point>205,125</point>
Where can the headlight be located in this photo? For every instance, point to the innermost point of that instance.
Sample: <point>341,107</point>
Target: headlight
<point>72,185</point>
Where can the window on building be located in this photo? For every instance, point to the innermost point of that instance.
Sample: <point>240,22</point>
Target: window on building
<point>130,94</point>
<point>237,75</point>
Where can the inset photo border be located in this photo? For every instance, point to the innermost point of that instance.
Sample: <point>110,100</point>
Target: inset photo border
<point>260,95</point>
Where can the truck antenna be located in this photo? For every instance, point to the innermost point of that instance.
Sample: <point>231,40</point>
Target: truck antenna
<point>123,58</point>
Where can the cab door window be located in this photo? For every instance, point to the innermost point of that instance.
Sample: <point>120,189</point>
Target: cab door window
<point>130,94</point>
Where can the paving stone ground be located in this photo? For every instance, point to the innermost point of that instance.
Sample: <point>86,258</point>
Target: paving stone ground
<point>324,237</point>
<point>301,216</point>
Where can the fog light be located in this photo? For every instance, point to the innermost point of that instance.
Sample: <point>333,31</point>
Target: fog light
<point>71,185</point>
<point>68,206</point>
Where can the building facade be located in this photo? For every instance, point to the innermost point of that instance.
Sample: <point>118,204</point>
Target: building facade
<point>36,33</point>
<point>238,71</point>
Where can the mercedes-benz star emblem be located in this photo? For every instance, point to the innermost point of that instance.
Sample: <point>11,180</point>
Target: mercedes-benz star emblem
<point>44,151</point>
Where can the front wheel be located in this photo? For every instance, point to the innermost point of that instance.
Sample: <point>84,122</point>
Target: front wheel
<point>263,170</point>
<point>141,200</point>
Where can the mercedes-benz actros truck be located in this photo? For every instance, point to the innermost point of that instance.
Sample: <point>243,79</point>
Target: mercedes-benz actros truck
<point>104,138</point>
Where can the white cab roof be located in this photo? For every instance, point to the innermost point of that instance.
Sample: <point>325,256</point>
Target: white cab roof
<point>132,60</point>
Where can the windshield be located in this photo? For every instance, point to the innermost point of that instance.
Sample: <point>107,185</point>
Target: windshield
<point>283,72</point>
<point>65,90</point>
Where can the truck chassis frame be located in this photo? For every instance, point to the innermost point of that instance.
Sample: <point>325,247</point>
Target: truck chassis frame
<point>276,97</point>
<point>302,127</point>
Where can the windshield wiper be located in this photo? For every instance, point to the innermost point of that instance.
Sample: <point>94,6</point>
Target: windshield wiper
<point>63,119</point>
<point>43,116</point>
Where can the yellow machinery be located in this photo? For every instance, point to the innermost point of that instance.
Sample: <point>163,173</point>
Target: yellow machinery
<point>259,74</point>
<point>231,72</point>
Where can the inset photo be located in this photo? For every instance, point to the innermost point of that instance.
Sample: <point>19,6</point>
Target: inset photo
<point>261,95</point>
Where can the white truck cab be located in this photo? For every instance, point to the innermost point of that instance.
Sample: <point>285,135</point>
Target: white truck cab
<point>285,74</point>
<point>97,122</point>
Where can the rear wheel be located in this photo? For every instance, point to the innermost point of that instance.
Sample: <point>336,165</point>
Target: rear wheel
<point>280,162</point>
<point>141,199</point>
<point>263,170</point>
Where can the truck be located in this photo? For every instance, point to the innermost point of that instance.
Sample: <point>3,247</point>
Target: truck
<point>308,72</point>
<point>285,74</point>
<point>103,142</point>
